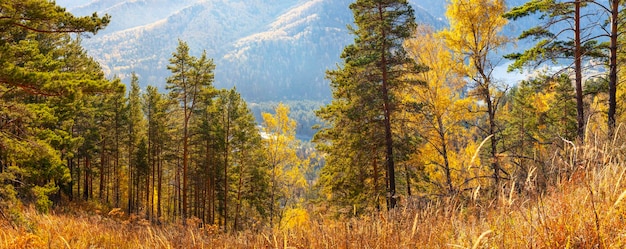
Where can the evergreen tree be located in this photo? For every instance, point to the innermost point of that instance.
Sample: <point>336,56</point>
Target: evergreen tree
<point>155,109</point>
<point>191,77</point>
<point>561,35</point>
<point>112,115</point>
<point>135,129</point>
<point>366,87</point>
<point>542,114</point>
<point>42,86</point>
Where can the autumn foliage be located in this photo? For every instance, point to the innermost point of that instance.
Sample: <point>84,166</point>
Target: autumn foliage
<point>422,145</point>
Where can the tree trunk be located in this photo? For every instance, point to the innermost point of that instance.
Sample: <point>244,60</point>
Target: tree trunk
<point>102,171</point>
<point>116,165</point>
<point>491,109</point>
<point>160,177</point>
<point>131,175</point>
<point>226,153</point>
<point>237,209</point>
<point>375,164</point>
<point>391,178</point>
<point>580,118</point>
<point>444,154</point>
<point>78,177</point>
<point>86,189</point>
<point>613,66</point>
<point>70,163</point>
<point>185,162</point>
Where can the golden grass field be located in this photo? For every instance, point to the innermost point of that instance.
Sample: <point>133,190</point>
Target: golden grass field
<point>585,210</point>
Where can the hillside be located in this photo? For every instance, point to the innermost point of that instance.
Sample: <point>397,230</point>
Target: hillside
<point>449,157</point>
<point>283,45</point>
<point>585,209</point>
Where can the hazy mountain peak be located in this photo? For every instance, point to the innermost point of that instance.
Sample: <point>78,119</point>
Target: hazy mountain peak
<point>269,49</point>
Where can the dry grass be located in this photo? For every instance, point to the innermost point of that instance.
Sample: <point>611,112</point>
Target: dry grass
<point>586,209</point>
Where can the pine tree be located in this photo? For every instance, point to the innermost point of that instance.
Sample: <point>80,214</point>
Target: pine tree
<point>41,86</point>
<point>191,77</point>
<point>542,114</point>
<point>557,41</point>
<point>366,86</point>
<point>155,109</point>
<point>112,115</point>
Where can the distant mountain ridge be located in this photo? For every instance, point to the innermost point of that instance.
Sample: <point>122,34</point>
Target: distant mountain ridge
<point>271,50</point>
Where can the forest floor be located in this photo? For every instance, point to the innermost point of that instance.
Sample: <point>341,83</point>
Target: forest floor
<point>586,209</point>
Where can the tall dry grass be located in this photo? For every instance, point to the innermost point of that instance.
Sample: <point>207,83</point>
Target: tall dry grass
<point>585,208</point>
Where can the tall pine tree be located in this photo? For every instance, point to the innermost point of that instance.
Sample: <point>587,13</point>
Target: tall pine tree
<point>366,86</point>
<point>191,78</point>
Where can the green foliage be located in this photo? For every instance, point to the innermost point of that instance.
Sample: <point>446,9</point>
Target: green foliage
<point>45,77</point>
<point>41,193</point>
<point>542,113</point>
<point>362,127</point>
<point>554,41</point>
<point>198,151</point>
<point>46,17</point>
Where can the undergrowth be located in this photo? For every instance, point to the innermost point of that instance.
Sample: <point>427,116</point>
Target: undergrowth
<point>585,208</point>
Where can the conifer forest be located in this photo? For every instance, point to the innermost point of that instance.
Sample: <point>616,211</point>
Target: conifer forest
<point>422,144</point>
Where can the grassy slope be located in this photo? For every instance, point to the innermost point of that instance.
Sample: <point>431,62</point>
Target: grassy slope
<point>586,210</point>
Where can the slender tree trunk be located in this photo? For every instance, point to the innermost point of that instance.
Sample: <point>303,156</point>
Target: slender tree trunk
<point>407,175</point>
<point>87,176</point>
<point>375,164</point>
<point>90,194</point>
<point>131,175</point>
<point>70,163</point>
<point>207,160</point>
<point>78,177</point>
<point>116,163</point>
<point>148,205</point>
<point>212,197</point>
<point>273,192</point>
<point>179,207</point>
<point>102,171</point>
<point>580,117</point>
<point>107,180</point>
<point>239,187</point>
<point>185,159</point>
<point>444,154</point>
<point>211,211</point>
<point>154,180</point>
<point>196,192</point>
<point>391,177</point>
<point>226,154</point>
<point>150,158</point>
<point>491,109</point>
<point>160,177</point>
<point>137,191</point>
<point>613,66</point>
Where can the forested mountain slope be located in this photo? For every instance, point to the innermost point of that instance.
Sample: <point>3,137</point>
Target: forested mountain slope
<point>268,49</point>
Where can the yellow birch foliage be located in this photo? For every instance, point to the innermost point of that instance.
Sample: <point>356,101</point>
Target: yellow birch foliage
<point>443,115</point>
<point>287,177</point>
<point>474,32</point>
<point>474,37</point>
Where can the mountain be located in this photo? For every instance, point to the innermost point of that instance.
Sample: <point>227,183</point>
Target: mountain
<point>268,49</point>
<point>293,53</point>
<point>129,14</point>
